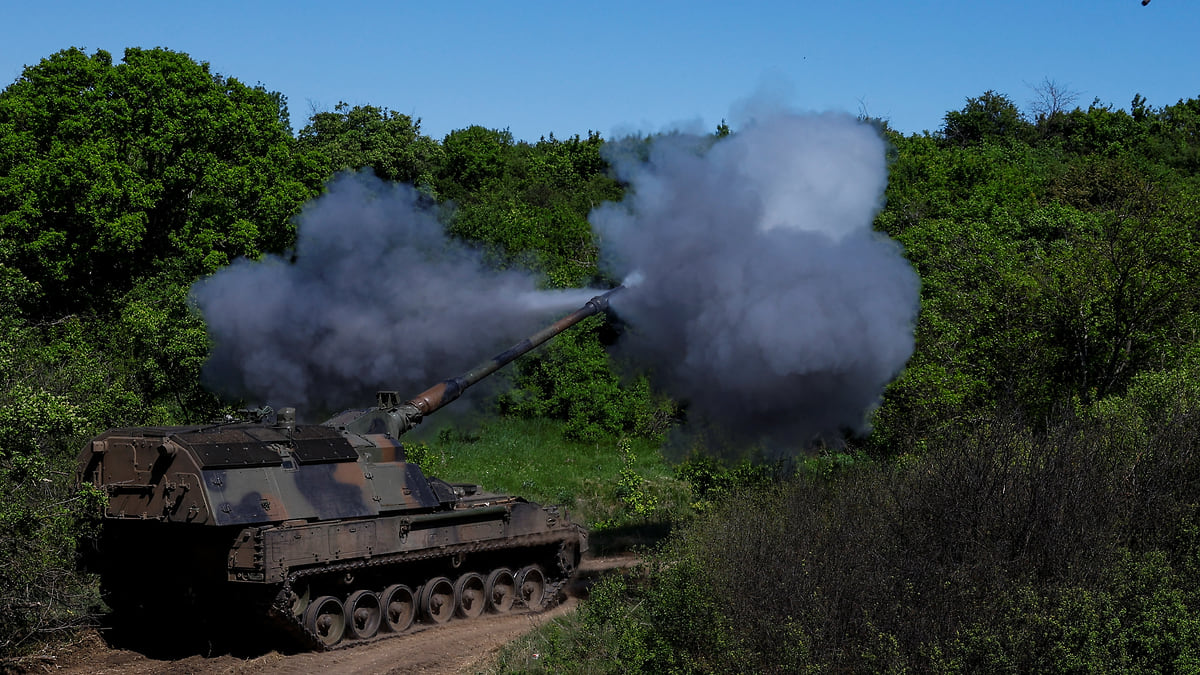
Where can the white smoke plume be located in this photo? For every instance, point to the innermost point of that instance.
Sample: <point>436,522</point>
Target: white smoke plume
<point>375,297</point>
<point>765,300</point>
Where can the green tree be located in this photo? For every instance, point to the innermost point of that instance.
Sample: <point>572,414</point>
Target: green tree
<point>989,117</point>
<point>572,379</point>
<point>1121,287</point>
<point>527,204</point>
<point>119,185</point>
<point>475,161</point>
<point>1100,130</point>
<point>1174,138</point>
<point>110,174</point>
<point>387,142</point>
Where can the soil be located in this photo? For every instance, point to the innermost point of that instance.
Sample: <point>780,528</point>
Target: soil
<point>460,646</point>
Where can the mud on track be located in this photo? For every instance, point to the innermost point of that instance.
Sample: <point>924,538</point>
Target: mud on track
<point>456,647</point>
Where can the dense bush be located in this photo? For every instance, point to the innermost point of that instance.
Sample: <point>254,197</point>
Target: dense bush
<point>659,618</point>
<point>1073,549</point>
<point>55,389</point>
<point>572,379</point>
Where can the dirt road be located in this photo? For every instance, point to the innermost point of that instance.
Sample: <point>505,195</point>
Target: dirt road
<point>460,646</point>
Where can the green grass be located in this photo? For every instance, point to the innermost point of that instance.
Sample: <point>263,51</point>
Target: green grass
<point>604,487</point>
<point>540,650</point>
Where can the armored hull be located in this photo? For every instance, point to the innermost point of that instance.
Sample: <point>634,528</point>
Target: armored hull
<point>319,532</point>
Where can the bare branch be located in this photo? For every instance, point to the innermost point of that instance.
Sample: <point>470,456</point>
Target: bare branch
<point>1051,98</point>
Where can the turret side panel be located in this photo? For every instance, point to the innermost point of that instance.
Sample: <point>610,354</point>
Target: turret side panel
<point>267,494</point>
<point>400,486</point>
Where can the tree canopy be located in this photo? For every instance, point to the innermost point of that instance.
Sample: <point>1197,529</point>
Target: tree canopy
<point>114,174</point>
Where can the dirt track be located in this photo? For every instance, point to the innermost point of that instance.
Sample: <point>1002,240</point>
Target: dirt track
<point>457,647</point>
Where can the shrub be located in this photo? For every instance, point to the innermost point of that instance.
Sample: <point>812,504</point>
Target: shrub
<point>662,617</point>
<point>40,509</point>
<point>572,379</point>
<point>1002,548</point>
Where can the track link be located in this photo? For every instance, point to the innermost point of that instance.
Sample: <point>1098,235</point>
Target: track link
<point>292,626</point>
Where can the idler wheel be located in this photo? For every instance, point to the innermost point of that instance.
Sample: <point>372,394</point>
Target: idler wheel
<point>568,557</point>
<point>531,586</point>
<point>501,590</point>
<point>362,610</point>
<point>399,607</point>
<point>437,600</point>
<point>325,619</point>
<point>469,589</point>
<point>300,601</point>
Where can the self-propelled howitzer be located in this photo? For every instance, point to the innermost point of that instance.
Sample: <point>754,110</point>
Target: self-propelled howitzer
<point>322,532</point>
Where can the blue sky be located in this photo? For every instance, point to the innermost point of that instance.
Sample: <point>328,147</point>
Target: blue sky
<point>616,66</point>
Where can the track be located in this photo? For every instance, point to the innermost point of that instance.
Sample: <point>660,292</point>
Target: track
<point>455,647</point>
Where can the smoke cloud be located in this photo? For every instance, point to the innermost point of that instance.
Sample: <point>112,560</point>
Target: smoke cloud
<point>763,297</point>
<point>375,296</point>
<point>758,292</point>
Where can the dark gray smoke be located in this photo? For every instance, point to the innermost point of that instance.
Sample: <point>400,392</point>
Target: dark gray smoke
<point>377,298</point>
<point>759,293</point>
<point>763,297</point>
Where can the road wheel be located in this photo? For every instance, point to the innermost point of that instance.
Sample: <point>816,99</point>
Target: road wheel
<point>326,620</point>
<point>437,600</point>
<point>399,607</point>
<point>363,614</point>
<point>469,589</point>
<point>501,590</point>
<point>531,586</point>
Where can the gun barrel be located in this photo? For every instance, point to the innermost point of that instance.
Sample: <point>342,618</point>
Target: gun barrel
<point>447,390</point>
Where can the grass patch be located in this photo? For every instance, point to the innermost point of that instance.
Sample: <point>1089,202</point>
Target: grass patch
<point>621,486</point>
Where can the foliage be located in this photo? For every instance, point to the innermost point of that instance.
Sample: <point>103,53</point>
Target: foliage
<point>475,160</point>
<point>989,117</point>
<point>112,174</point>
<point>1141,621</point>
<point>1174,134</point>
<point>572,379</point>
<point>999,549</point>
<point>661,618</point>
<point>385,141</point>
<point>528,203</point>
<point>1047,275</point>
<point>56,388</point>
<point>631,488</point>
<point>712,482</point>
